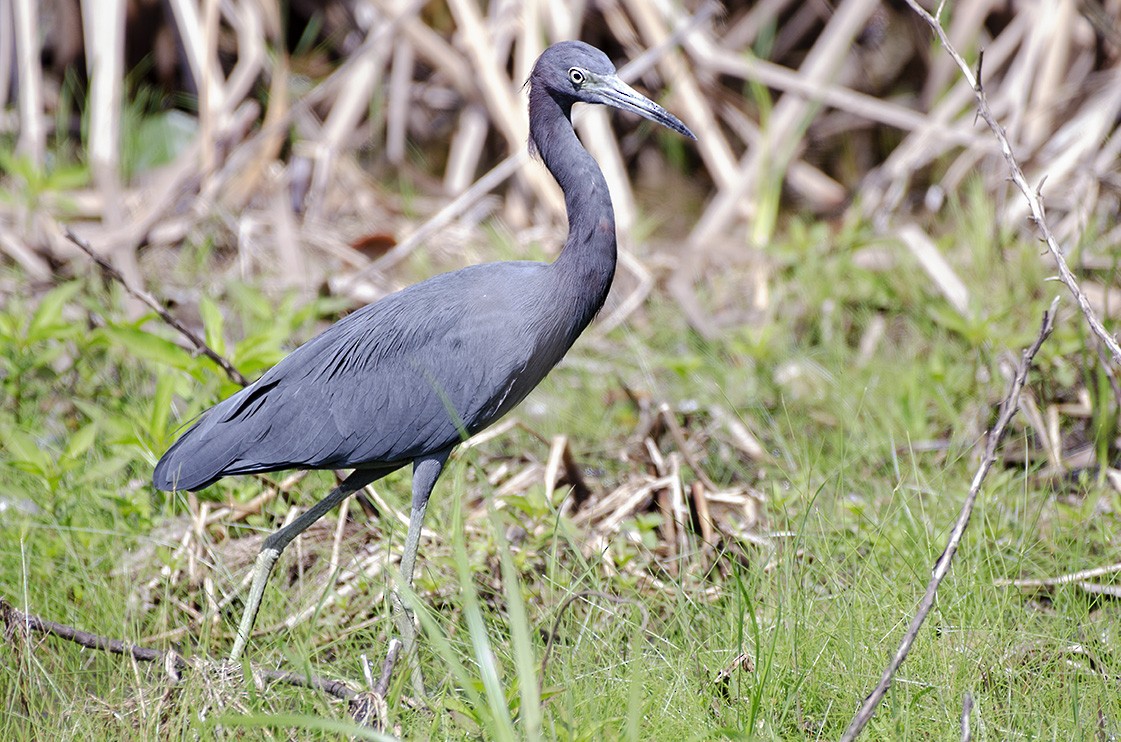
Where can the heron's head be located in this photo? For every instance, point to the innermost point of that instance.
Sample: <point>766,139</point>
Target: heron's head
<point>575,72</point>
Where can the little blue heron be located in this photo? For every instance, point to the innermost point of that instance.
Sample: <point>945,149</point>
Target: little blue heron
<point>405,379</point>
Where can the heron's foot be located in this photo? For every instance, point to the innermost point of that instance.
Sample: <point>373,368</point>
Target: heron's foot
<point>222,674</point>
<point>217,670</point>
<point>217,684</point>
<point>370,710</point>
<point>406,627</point>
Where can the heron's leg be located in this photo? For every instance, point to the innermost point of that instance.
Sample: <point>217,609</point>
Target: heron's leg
<point>274,544</point>
<point>425,473</point>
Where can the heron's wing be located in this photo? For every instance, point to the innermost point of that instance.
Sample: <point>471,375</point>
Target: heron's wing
<point>410,374</point>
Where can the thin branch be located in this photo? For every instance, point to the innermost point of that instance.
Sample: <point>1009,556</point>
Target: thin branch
<point>382,687</point>
<point>336,688</point>
<point>942,566</point>
<point>15,620</point>
<point>1085,574</point>
<point>1034,199</point>
<point>200,344</point>
<point>966,710</point>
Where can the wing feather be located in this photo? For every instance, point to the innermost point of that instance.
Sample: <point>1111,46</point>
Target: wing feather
<point>399,378</point>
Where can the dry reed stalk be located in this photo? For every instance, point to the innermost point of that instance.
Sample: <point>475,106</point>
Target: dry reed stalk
<point>7,44</point>
<point>837,96</point>
<point>704,517</point>
<point>104,32</point>
<point>498,92</point>
<point>629,304</point>
<point>966,28</point>
<point>399,103</point>
<point>621,27</point>
<point>594,127</point>
<point>1032,196</point>
<point>32,141</point>
<point>248,22</point>
<point>557,451</point>
<point>743,32</point>
<point>466,149</point>
<point>886,185</point>
<point>193,34</point>
<point>1075,143</point>
<point>693,105</point>
<point>434,50</point>
<point>780,139</point>
<point>350,105</point>
<point>1064,579</point>
<point>811,184</point>
<point>935,266</point>
<point>258,159</point>
<point>14,246</point>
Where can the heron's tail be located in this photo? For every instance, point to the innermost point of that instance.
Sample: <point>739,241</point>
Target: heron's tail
<point>193,462</point>
<point>213,447</point>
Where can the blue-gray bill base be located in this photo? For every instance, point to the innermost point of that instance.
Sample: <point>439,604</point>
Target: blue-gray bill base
<point>405,379</point>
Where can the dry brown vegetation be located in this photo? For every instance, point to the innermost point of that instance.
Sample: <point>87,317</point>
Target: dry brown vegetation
<point>804,105</point>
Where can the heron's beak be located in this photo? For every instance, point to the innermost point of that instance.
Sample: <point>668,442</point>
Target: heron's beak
<point>615,92</point>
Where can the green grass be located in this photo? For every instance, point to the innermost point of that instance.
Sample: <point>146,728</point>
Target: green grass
<point>861,503</point>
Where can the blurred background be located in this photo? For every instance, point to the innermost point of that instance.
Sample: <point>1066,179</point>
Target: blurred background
<point>314,139</point>
<point>817,307</point>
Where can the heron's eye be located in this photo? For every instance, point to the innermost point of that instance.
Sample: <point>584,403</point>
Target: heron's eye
<point>576,75</point>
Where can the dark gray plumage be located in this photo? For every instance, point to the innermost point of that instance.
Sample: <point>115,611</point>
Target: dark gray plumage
<point>407,378</point>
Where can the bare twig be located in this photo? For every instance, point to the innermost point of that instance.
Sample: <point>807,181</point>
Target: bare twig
<point>382,686</point>
<point>966,710</point>
<point>33,132</point>
<point>336,688</point>
<point>14,620</point>
<point>1033,195</point>
<point>683,446</point>
<point>942,566</point>
<point>1063,579</point>
<point>166,316</point>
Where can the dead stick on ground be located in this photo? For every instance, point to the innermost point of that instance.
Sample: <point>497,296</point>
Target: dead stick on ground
<point>166,316</point>
<point>382,686</point>
<point>1066,579</point>
<point>942,566</point>
<point>1035,200</point>
<point>13,619</point>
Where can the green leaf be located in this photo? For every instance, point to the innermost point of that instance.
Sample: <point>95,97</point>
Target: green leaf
<point>212,322</point>
<point>105,471</point>
<point>67,178</point>
<point>150,347</point>
<point>251,301</point>
<point>257,353</point>
<point>525,660</point>
<point>24,452</point>
<point>81,441</point>
<point>9,327</point>
<point>47,320</point>
<point>161,407</point>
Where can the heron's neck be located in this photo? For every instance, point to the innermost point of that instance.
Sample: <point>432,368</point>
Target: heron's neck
<point>586,265</point>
